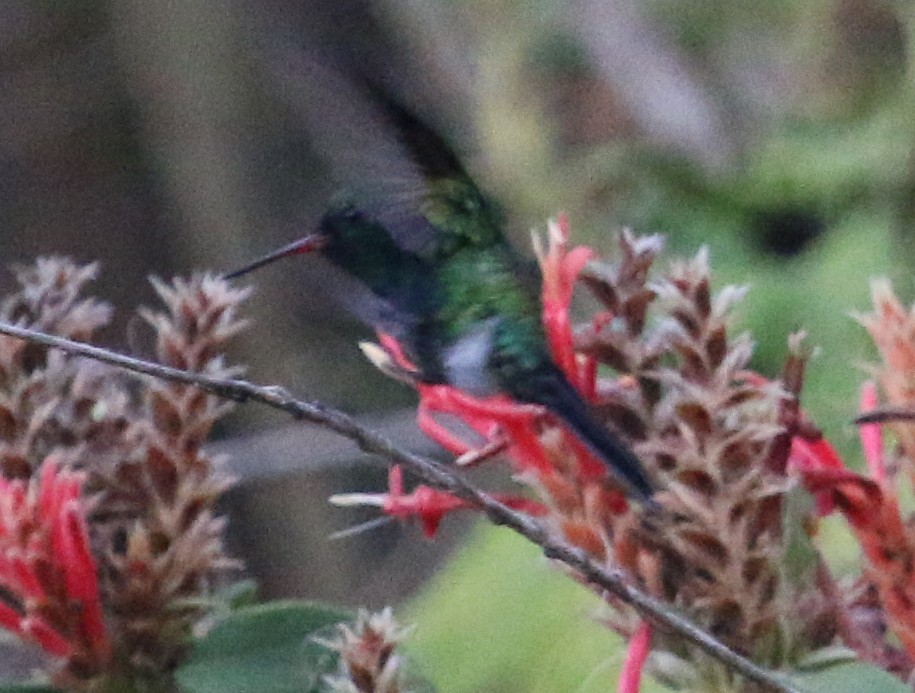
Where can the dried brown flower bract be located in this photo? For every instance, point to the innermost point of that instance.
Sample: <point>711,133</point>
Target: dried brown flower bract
<point>47,399</point>
<point>161,497</point>
<point>369,661</point>
<point>149,489</point>
<point>714,433</point>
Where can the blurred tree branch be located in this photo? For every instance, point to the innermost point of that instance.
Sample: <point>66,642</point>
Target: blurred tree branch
<point>433,473</point>
<point>654,79</point>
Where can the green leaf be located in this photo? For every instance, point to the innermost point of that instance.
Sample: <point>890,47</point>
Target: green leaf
<point>232,597</point>
<point>270,648</point>
<point>854,677</point>
<point>513,647</point>
<point>240,594</point>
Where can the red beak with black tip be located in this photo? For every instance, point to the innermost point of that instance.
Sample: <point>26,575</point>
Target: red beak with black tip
<point>309,244</point>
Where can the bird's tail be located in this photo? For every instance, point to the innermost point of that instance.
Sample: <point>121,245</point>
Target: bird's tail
<point>556,394</point>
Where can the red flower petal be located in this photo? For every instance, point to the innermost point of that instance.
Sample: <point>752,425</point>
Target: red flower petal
<point>23,578</point>
<point>872,435</point>
<point>10,618</point>
<point>45,526</point>
<point>636,655</point>
<point>76,557</point>
<point>560,268</point>
<point>430,505</point>
<point>49,639</point>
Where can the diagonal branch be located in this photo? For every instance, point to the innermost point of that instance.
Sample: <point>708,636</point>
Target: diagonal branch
<point>434,474</point>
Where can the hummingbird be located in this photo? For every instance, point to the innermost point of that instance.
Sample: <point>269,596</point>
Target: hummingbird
<point>435,270</point>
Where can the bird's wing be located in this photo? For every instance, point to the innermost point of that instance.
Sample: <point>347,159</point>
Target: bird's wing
<point>384,159</point>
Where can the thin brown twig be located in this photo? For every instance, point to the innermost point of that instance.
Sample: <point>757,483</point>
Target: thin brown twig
<point>435,474</point>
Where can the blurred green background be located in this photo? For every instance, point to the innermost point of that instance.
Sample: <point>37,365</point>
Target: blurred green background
<point>779,134</point>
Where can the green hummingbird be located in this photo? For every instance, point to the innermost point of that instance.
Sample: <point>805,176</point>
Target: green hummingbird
<point>428,262</point>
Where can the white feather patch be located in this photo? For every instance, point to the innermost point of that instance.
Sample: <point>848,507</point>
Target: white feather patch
<point>467,361</point>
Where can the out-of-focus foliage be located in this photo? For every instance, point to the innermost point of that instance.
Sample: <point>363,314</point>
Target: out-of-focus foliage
<point>499,618</point>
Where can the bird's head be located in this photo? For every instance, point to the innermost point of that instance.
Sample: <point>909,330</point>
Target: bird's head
<point>342,227</point>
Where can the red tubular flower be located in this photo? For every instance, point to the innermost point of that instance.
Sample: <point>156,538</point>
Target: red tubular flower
<point>872,435</point>
<point>50,640</point>
<point>871,507</point>
<point>10,619</point>
<point>636,656</point>
<point>485,416</point>
<point>831,483</point>
<point>47,567</point>
<point>560,268</point>
<point>427,504</point>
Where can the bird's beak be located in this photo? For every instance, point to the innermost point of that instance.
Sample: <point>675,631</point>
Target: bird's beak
<point>309,244</point>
